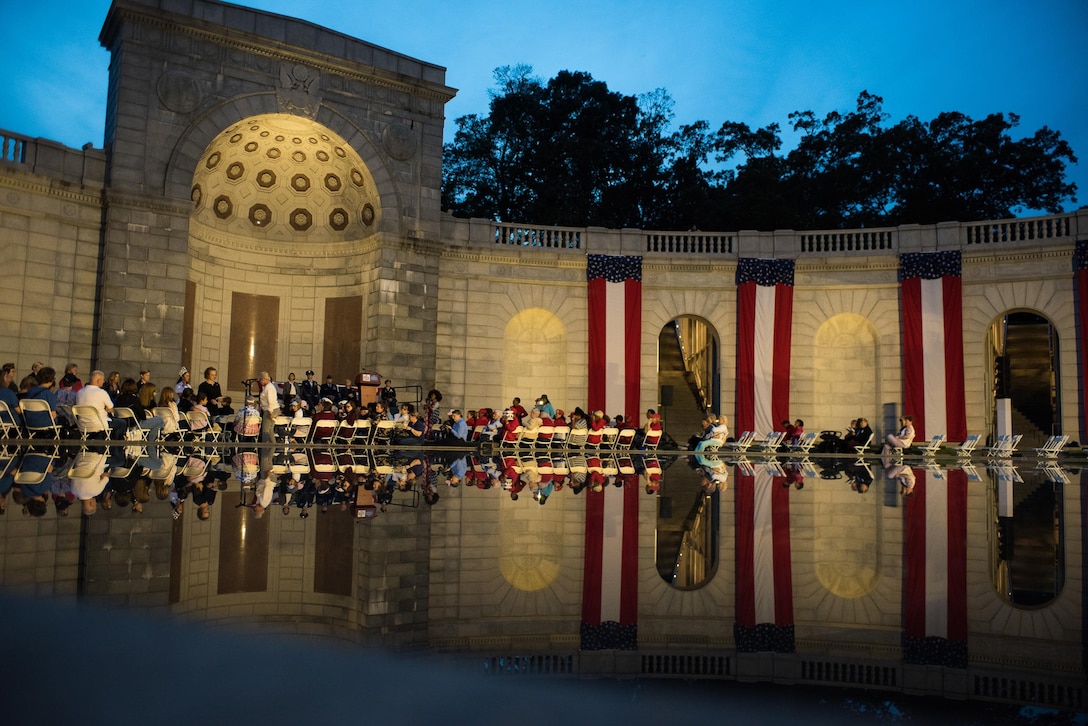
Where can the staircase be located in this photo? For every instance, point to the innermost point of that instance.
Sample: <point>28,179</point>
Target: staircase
<point>683,418</point>
<point>1028,378</point>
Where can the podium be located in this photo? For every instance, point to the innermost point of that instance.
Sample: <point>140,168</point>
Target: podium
<point>366,384</point>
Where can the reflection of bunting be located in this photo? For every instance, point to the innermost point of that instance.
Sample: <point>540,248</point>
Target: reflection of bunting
<point>1080,270</point>
<point>615,333</point>
<point>935,570</point>
<point>610,579</point>
<point>933,343</point>
<point>764,330</point>
<point>764,568</point>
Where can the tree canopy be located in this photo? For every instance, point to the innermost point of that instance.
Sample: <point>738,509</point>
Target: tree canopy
<point>571,152</point>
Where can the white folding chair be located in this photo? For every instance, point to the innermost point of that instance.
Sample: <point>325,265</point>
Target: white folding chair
<point>38,418</point>
<point>383,433</point>
<point>965,449</point>
<point>625,439</point>
<point>89,423</point>
<point>742,443</point>
<point>577,438</point>
<point>933,446</point>
<point>653,438</point>
<point>9,425</point>
<point>806,442</point>
<point>322,431</point>
<point>862,448</point>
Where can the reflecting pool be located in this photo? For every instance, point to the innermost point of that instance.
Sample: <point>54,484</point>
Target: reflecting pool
<point>959,580</point>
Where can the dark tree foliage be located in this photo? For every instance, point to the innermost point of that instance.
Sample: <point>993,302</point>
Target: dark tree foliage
<point>570,152</point>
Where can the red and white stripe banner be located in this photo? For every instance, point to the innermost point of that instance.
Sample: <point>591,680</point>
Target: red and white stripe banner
<point>932,302</point>
<point>615,334</point>
<point>764,592</point>
<point>764,333</point>
<point>935,569</point>
<point>610,579</point>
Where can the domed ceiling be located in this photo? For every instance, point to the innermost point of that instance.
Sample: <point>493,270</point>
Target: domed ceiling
<point>284,178</point>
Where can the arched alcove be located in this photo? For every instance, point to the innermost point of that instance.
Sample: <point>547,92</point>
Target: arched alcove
<point>688,373</point>
<point>1022,350</point>
<point>846,370</point>
<point>534,354</point>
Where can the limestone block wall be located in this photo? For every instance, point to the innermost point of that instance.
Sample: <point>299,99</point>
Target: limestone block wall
<point>845,358</point>
<point>49,243</point>
<point>1038,280</point>
<point>674,288</point>
<point>39,556</point>
<point>511,325</point>
<point>128,557</point>
<point>143,285</point>
<point>289,603</point>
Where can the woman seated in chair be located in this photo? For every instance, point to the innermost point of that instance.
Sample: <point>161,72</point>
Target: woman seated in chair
<point>716,435</point>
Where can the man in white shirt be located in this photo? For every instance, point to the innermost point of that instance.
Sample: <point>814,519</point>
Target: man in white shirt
<point>95,396</point>
<point>270,406</point>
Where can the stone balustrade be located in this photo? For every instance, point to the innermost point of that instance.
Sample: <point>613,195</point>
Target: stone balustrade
<point>86,166</point>
<point>1026,232</point>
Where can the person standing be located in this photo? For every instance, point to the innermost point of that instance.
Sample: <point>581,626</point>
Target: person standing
<point>269,404</point>
<point>210,387</point>
<point>310,391</point>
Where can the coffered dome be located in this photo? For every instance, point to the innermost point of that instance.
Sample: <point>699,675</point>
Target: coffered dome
<point>284,178</point>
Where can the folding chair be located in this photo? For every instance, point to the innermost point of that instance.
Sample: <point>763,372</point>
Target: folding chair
<point>741,444</point>
<point>170,422</point>
<point>625,439</point>
<point>323,430</point>
<point>527,437</point>
<point>89,423</point>
<point>1002,447</point>
<point>38,419</point>
<point>609,435</point>
<point>770,442</point>
<point>383,433</point>
<point>653,438</point>
<point>559,435</point>
<point>805,443</point>
<point>965,449</point>
<point>201,426</point>
<point>298,430</point>
<point>861,449</point>
<point>1052,447</point>
<point>577,438</point>
<point>933,446</point>
<point>9,424</point>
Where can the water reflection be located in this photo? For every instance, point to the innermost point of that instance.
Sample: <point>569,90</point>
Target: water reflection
<point>823,558</point>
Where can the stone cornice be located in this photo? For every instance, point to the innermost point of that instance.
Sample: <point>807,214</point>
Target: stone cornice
<point>33,184</point>
<point>257,45</point>
<point>129,199</point>
<point>301,250</point>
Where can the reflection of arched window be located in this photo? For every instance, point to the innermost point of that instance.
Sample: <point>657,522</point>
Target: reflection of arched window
<point>687,530</point>
<point>1028,556</point>
<point>846,378</point>
<point>1023,348</point>
<point>534,355</point>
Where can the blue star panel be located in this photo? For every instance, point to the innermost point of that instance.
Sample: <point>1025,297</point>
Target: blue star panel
<point>1080,256</point>
<point>614,268</point>
<point>767,273</point>
<point>929,265</point>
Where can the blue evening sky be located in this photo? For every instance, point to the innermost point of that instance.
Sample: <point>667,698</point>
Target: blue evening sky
<point>720,60</point>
